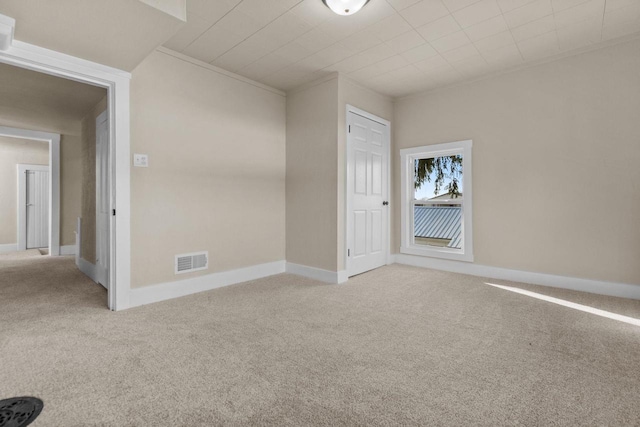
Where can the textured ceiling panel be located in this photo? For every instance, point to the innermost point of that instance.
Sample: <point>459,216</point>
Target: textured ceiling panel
<point>396,47</point>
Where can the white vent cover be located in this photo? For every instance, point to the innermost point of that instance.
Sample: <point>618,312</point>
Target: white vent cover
<point>186,263</point>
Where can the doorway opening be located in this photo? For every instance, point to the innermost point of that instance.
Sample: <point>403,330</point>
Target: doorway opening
<point>116,82</point>
<point>39,149</point>
<point>55,140</point>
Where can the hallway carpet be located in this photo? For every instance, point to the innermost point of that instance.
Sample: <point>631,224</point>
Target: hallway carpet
<point>396,346</point>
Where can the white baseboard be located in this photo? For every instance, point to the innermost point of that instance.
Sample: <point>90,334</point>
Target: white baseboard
<point>317,273</point>
<point>180,288</point>
<point>68,250</point>
<point>87,268</point>
<point>343,276</point>
<point>614,289</point>
<point>12,247</point>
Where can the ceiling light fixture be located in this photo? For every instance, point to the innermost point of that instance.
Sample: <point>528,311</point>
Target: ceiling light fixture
<point>345,7</point>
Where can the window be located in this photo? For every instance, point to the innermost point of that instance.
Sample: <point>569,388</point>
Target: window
<point>436,201</point>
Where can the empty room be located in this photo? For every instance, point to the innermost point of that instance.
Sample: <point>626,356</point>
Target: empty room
<point>319,212</point>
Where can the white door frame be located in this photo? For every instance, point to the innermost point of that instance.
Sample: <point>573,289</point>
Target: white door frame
<point>22,204</point>
<point>25,55</point>
<point>53,139</point>
<point>349,194</point>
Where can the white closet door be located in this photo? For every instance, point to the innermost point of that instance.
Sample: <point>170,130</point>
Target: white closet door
<point>37,208</point>
<point>367,182</point>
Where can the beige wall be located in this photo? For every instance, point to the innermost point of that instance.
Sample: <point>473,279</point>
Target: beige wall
<point>88,181</point>
<point>555,162</point>
<point>351,93</point>
<point>15,151</point>
<point>70,184</point>
<point>216,175</point>
<point>312,175</point>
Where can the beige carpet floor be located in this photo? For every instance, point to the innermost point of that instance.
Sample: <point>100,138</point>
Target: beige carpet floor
<point>397,346</point>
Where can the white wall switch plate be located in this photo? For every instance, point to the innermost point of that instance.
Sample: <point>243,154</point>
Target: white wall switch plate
<point>141,160</point>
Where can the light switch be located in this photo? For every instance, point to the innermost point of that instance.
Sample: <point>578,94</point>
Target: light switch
<point>141,160</point>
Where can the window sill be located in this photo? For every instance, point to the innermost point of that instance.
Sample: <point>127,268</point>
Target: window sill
<point>437,253</point>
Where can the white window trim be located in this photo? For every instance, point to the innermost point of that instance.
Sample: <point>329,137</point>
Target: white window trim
<point>407,157</point>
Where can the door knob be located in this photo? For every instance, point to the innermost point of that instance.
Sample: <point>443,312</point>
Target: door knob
<point>385,203</point>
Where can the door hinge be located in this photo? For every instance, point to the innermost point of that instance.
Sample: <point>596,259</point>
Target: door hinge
<point>114,212</point>
<point>348,252</point>
<point>349,128</point>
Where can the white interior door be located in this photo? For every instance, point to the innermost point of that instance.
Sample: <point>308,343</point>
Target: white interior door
<point>37,206</point>
<point>367,193</point>
<point>102,199</point>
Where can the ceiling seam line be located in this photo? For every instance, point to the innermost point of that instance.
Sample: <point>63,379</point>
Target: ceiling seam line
<point>254,33</point>
<point>295,62</point>
<point>604,11</point>
<point>212,25</point>
<point>333,44</point>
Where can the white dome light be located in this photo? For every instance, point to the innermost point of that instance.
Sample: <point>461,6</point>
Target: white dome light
<point>345,7</point>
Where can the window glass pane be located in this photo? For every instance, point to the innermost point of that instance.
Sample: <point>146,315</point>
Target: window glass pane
<point>438,199</point>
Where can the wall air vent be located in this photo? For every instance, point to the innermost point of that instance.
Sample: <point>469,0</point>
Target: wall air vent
<point>186,263</point>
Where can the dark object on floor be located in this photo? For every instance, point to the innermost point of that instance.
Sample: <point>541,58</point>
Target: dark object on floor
<point>19,411</point>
